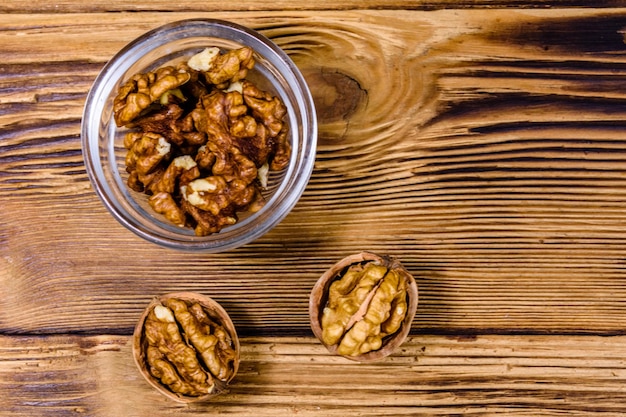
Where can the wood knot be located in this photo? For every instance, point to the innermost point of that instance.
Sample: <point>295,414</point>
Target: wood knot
<point>336,95</point>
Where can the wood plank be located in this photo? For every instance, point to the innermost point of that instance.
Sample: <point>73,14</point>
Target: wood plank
<point>99,6</point>
<point>430,375</point>
<point>483,148</point>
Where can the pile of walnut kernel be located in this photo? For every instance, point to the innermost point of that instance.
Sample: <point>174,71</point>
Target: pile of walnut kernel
<point>187,350</point>
<point>202,138</point>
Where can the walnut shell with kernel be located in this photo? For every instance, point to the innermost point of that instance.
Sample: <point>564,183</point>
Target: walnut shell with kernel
<point>363,306</point>
<point>186,346</point>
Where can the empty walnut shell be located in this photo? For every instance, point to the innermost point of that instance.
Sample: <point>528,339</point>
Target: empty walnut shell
<point>216,316</point>
<point>319,301</point>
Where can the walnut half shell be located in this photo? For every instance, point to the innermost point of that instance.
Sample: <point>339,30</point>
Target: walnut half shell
<point>186,346</point>
<point>363,306</point>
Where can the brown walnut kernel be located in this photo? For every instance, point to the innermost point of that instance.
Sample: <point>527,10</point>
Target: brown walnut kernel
<point>230,67</point>
<point>186,346</point>
<point>362,308</point>
<point>203,135</point>
<point>138,93</point>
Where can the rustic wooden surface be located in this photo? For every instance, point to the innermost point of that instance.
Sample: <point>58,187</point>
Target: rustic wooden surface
<point>485,146</point>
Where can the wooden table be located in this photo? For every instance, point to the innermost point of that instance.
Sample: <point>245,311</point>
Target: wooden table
<point>483,143</point>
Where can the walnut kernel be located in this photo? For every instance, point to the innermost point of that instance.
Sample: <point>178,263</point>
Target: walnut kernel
<point>362,307</point>
<point>186,346</point>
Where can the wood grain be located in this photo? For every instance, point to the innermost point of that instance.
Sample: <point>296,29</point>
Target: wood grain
<point>485,149</point>
<point>77,6</point>
<point>481,142</point>
<point>430,376</point>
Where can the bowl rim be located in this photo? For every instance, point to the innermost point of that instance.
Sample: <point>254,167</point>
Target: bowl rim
<point>300,169</point>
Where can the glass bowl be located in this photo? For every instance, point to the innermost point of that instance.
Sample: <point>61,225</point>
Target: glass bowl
<point>103,142</point>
